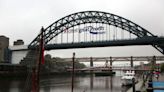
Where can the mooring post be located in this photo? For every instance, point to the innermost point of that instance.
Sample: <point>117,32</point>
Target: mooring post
<point>73,71</point>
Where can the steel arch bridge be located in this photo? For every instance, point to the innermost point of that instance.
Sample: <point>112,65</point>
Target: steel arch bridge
<point>95,29</point>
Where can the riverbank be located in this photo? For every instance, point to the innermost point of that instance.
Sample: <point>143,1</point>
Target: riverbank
<point>140,87</point>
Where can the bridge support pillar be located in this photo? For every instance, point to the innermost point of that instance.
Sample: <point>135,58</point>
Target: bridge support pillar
<point>131,62</point>
<point>91,74</point>
<point>106,63</point>
<point>111,61</point>
<point>91,62</point>
<point>111,64</point>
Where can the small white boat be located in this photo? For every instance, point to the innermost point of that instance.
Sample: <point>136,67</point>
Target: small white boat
<point>127,78</point>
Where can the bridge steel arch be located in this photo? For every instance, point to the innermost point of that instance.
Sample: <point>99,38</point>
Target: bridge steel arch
<point>84,17</point>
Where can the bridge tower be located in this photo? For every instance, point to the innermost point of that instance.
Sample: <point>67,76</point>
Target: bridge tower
<point>131,61</point>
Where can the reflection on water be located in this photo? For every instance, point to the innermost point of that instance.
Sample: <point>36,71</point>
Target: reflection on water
<point>63,84</point>
<point>7,85</point>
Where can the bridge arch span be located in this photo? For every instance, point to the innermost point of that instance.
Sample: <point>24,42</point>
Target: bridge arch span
<point>96,17</point>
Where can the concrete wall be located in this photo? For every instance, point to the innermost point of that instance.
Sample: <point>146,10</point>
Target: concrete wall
<point>18,53</point>
<point>17,56</point>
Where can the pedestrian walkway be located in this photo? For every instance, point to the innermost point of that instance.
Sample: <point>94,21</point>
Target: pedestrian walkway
<point>156,83</point>
<point>138,86</point>
<point>161,78</point>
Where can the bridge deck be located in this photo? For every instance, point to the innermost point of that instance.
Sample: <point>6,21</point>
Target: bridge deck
<point>102,59</point>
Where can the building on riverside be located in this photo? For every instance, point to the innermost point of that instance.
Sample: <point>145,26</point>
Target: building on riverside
<point>4,52</point>
<point>19,42</point>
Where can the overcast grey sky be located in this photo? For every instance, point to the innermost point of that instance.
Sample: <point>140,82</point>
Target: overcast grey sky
<point>22,19</point>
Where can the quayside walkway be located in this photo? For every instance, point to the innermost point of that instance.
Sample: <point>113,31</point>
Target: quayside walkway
<point>158,85</point>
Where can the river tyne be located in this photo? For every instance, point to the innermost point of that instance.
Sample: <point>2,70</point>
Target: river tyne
<point>63,84</point>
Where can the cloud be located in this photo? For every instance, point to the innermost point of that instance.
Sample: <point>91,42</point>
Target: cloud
<point>22,19</point>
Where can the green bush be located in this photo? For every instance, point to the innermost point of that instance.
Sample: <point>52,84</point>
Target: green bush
<point>162,67</point>
<point>57,64</point>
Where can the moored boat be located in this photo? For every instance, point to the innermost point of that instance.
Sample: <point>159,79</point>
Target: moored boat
<point>127,78</point>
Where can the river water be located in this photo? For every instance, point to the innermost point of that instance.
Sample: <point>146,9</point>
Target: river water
<point>63,84</point>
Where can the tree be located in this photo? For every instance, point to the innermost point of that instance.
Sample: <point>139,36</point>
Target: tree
<point>56,64</point>
<point>162,67</point>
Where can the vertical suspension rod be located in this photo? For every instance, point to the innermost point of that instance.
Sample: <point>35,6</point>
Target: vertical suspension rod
<point>84,33</point>
<point>99,34</point>
<point>109,33</point>
<point>106,32</point>
<point>122,34</point>
<point>115,32</point>
<point>96,35</point>
<point>90,34</point>
<point>67,35</point>
<point>130,34</point>
<point>79,33</point>
<point>73,35</point>
<point>62,36</point>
